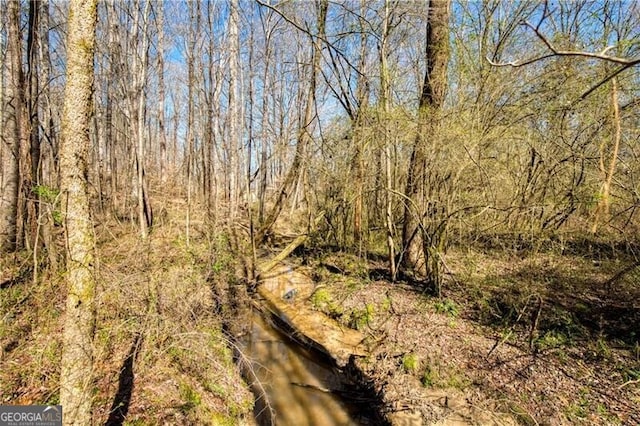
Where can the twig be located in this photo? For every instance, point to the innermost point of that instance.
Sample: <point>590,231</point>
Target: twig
<point>630,382</point>
<point>510,332</point>
<point>624,63</point>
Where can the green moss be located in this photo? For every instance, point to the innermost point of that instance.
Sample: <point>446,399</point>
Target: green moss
<point>410,362</point>
<point>219,419</point>
<point>190,396</point>
<point>321,298</point>
<point>429,377</point>
<point>550,340</point>
<point>360,318</point>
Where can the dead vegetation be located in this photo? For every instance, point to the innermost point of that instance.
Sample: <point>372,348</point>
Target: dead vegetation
<point>161,354</point>
<point>536,333</point>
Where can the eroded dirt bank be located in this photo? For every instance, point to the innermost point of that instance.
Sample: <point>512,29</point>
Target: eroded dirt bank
<point>431,363</point>
<point>290,294</point>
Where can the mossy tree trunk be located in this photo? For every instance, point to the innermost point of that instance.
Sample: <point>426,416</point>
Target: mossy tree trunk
<point>77,357</point>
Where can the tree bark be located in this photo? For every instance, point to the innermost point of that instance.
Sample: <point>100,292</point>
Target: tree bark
<point>431,100</point>
<point>161,96</point>
<point>607,172</point>
<point>194,25</point>
<point>145,215</point>
<point>385,95</point>
<point>32,96</point>
<point>77,358</point>
<point>14,133</point>
<point>234,108</point>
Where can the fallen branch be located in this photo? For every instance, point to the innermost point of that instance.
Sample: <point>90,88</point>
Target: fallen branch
<point>630,382</point>
<point>268,265</point>
<point>265,267</point>
<point>611,281</point>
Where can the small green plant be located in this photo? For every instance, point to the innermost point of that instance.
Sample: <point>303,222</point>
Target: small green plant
<point>550,340</point>
<point>428,377</point>
<point>223,420</point>
<point>604,351</point>
<point>362,317</point>
<point>50,196</point>
<point>321,298</point>
<point>216,389</point>
<point>630,374</point>
<point>410,362</point>
<point>581,407</point>
<point>190,396</point>
<point>605,414</point>
<point>47,194</point>
<point>217,266</point>
<point>386,304</point>
<point>447,307</point>
<point>457,380</point>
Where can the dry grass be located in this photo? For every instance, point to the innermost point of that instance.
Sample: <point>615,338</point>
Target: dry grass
<point>160,353</point>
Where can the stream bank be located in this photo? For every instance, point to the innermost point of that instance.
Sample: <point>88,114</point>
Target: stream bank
<point>294,384</point>
<point>294,379</point>
<point>369,357</point>
<point>328,352</point>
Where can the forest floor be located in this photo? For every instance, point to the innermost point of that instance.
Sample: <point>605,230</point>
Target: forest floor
<point>542,336</point>
<point>161,356</point>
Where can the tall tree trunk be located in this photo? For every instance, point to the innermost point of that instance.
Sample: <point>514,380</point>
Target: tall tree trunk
<point>210,128</point>
<point>161,96</point>
<point>14,133</point>
<point>111,119</point>
<point>3,154</point>
<point>33,41</point>
<point>417,246</point>
<point>385,95</point>
<point>266,95</point>
<point>49,170</point>
<point>77,357</point>
<point>607,171</point>
<point>145,215</point>
<point>234,107</point>
<point>49,160</point>
<point>194,25</point>
<point>362,95</point>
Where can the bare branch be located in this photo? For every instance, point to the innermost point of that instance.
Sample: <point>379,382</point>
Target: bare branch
<point>307,31</point>
<point>607,78</point>
<point>626,62</point>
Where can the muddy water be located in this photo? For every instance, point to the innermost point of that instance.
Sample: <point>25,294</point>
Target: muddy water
<point>296,386</point>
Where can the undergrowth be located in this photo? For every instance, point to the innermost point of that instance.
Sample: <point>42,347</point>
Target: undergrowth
<point>160,351</point>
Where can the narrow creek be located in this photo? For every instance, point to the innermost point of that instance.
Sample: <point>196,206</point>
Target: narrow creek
<point>296,386</point>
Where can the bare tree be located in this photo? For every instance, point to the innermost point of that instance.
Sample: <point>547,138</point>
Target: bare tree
<point>304,134</point>
<point>421,247</point>
<point>77,358</point>
<point>15,132</point>
<point>235,110</point>
<point>385,94</point>
<point>138,113</point>
<point>194,26</point>
<point>161,94</point>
